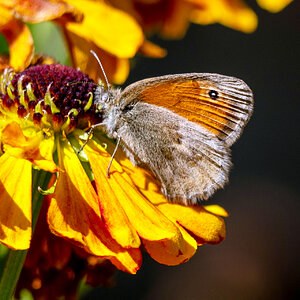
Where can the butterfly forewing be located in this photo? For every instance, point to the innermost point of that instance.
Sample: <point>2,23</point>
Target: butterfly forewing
<point>221,104</point>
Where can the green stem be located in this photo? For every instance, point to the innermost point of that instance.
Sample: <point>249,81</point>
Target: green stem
<point>15,258</point>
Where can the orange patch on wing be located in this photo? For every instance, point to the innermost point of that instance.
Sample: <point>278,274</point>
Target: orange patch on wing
<point>191,101</point>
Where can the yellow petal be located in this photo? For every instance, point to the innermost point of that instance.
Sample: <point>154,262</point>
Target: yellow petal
<point>234,14</point>
<point>20,44</point>
<point>35,148</point>
<point>74,213</point>
<point>115,218</point>
<point>205,226</point>
<point>216,210</point>
<point>116,69</point>
<point>148,221</point>
<point>15,205</point>
<point>5,16</point>
<point>109,28</point>
<point>172,252</point>
<point>274,6</point>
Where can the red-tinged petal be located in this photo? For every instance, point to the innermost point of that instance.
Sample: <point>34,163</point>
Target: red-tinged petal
<point>35,148</point>
<point>36,11</point>
<point>148,221</point>
<point>109,28</point>
<point>172,252</point>
<point>4,62</point>
<point>74,213</point>
<point>207,227</point>
<point>116,69</point>
<point>128,261</point>
<point>114,216</point>
<point>15,205</point>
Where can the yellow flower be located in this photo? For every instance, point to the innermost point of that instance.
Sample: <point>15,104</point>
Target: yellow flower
<point>171,18</point>
<point>86,24</point>
<point>13,14</point>
<point>274,5</point>
<point>115,29</point>
<point>43,113</point>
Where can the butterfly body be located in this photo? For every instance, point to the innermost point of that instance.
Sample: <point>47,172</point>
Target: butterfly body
<point>180,127</point>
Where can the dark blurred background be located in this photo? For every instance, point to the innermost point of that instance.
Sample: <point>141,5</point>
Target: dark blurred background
<point>259,259</point>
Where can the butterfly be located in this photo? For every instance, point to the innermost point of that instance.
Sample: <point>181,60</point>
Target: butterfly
<point>180,127</point>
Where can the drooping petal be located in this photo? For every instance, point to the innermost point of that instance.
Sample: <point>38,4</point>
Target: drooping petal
<point>36,148</point>
<point>148,221</point>
<point>115,31</point>
<point>116,69</point>
<point>74,214</point>
<point>274,6</point>
<point>20,43</point>
<point>114,216</point>
<point>207,227</point>
<point>172,252</point>
<point>15,205</point>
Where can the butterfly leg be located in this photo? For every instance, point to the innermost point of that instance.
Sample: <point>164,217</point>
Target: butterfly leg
<point>112,157</point>
<point>89,135</point>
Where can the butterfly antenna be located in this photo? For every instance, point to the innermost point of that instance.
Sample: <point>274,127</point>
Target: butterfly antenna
<point>99,62</point>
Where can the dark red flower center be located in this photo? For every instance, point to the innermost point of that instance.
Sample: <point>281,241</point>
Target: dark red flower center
<point>51,94</point>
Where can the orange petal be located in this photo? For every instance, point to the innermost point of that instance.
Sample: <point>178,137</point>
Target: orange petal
<point>274,6</point>
<point>109,28</point>
<point>15,205</point>
<point>116,69</point>
<point>172,252</point>
<point>74,213</point>
<point>36,148</point>
<point>152,50</point>
<point>148,221</point>
<point>36,11</point>
<point>207,227</point>
<point>114,216</point>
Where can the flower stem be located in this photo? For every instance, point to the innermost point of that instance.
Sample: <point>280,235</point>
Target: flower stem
<point>15,258</point>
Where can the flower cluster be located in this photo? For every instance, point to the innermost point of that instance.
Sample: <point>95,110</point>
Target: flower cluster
<point>116,30</point>
<point>43,113</point>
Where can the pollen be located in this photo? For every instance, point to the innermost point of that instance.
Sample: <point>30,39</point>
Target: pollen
<point>53,95</point>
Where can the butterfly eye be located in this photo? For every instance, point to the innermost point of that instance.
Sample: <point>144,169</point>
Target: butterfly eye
<point>213,94</point>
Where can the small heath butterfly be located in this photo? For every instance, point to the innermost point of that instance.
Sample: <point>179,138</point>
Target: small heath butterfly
<point>180,127</point>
